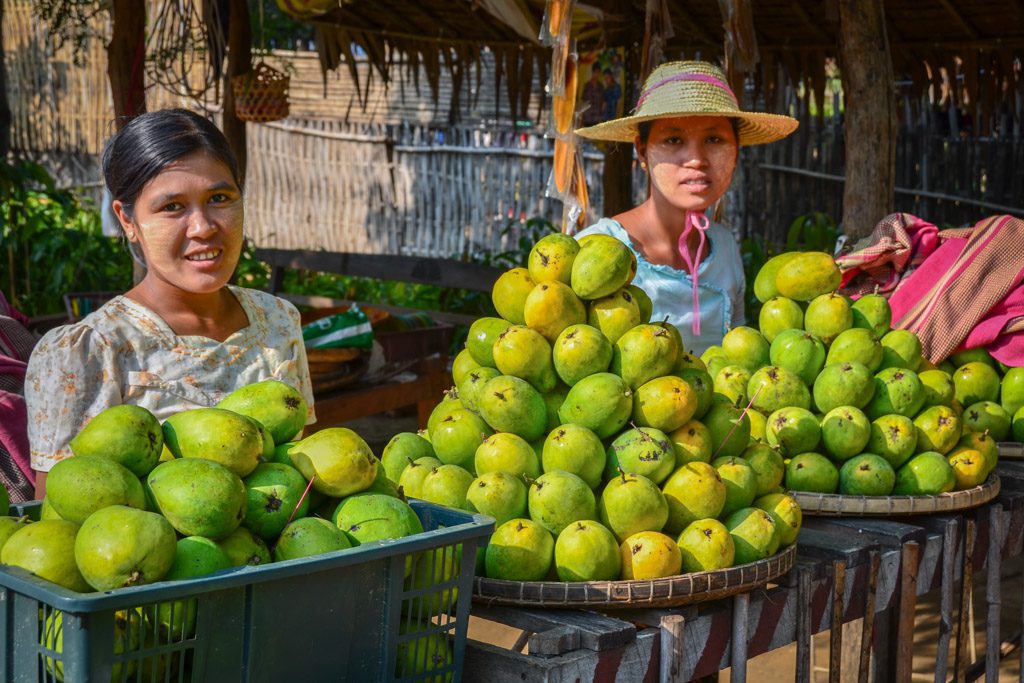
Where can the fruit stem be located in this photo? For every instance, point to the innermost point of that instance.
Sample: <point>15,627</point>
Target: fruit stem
<point>623,473</point>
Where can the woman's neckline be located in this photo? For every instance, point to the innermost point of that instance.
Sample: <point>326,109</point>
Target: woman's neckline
<point>166,328</point>
<point>663,267</point>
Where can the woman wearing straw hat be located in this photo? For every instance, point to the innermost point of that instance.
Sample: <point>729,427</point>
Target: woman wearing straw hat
<point>687,129</point>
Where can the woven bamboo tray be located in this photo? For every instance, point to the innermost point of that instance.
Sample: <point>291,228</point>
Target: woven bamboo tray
<point>835,505</point>
<point>673,591</point>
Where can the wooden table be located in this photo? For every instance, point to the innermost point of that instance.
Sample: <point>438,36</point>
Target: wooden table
<point>845,568</point>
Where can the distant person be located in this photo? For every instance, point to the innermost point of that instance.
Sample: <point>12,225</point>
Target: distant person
<point>687,129</point>
<point>183,337</point>
<point>593,97</point>
<point>612,95</point>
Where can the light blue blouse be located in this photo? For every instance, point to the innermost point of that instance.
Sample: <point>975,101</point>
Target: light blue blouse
<point>720,278</point>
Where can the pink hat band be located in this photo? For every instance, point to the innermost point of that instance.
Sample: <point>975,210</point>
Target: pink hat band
<point>703,78</point>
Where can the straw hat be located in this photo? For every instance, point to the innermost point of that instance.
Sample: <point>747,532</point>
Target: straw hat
<point>691,89</point>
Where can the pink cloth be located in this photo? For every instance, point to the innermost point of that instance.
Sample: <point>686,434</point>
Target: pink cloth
<point>992,331</point>
<point>968,293</point>
<point>898,244</point>
<point>13,435</point>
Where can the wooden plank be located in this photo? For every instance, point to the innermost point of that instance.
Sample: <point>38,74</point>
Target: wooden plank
<point>867,632</point>
<point>993,592</point>
<point>908,604</point>
<point>628,663</point>
<point>836,633</point>
<point>882,531</point>
<point>428,271</point>
<point>950,540</point>
<point>597,631</point>
<point>967,576</point>
<point>803,628</point>
<point>816,544</point>
<point>554,641</point>
<point>738,655</point>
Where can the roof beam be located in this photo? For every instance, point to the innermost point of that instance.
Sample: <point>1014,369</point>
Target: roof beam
<point>806,18</point>
<point>955,13</point>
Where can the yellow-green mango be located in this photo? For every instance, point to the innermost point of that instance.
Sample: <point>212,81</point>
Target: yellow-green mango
<point>127,434</point>
<point>278,406</point>
<point>551,307</point>
<point>764,281</point>
<point>510,292</point>
<point>216,434</point>
<point>551,258</point>
<point>807,276</point>
<point>603,265</point>
<point>340,460</point>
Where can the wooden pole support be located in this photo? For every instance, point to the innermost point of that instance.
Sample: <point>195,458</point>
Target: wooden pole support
<point>867,633</point>
<point>948,578</point>
<point>803,626</point>
<point>993,591</point>
<point>909,559</point>
<point>738,658</point>
<point>835,650</point>
<point>966,578</point>
<point>671,666</point>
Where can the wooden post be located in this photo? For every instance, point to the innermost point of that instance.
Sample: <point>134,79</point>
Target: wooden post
<point>993,592</point>
<point>617,183</point>
<point>126,59</point>
<point>909,562</point>
<point>5,110</point>
<point>239,62</point>
<point>868,83</point>
<point>126,71</point>
<point>672,628</point>
<point>835,650</point>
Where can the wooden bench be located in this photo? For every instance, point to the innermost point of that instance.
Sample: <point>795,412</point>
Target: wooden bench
<point>430,368</point>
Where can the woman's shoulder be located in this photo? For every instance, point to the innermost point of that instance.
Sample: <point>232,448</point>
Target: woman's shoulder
<point>277,312</point>
<point>103,328</point>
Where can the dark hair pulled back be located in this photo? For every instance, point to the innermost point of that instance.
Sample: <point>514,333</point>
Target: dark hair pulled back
<point>152,141</point>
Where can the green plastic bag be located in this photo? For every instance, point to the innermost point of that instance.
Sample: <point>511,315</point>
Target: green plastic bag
<point>349,328</point>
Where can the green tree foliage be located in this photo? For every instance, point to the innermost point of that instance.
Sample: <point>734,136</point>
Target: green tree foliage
<point>51,242</point>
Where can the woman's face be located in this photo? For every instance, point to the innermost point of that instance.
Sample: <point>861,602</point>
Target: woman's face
<point>690,159</point>
<point>188,221</point>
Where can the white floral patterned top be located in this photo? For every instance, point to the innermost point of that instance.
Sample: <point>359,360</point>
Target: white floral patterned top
<point>125,353</point>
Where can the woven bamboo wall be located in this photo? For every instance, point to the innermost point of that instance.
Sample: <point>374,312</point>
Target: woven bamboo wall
<point>413,190</point>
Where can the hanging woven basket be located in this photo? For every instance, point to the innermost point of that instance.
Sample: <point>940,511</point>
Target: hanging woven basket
<point>261,95</point>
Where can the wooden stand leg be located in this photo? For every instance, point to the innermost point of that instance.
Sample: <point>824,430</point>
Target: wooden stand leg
<point>949,546</point>
<point>993,592</point>
<point>803,626</point>
<point>967,578</point>
<point>738,658</point>
<point>835,666</point>
<point>864,666</point>
<point>907,608</point>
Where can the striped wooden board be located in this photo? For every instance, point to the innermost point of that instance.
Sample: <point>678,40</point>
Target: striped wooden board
<point>673,591</point>
<point>836,505</point>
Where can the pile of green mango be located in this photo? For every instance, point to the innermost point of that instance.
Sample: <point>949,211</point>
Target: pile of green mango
<point>851,405</point>
<point>207,490</point>
<point>591,435</point>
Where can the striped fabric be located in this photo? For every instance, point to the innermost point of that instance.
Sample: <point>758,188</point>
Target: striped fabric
<point>959,284</point>
<point>899,243</point>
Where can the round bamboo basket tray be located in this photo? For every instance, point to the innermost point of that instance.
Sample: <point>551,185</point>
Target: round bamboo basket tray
<point>672,591</point>
<point>835,505</point>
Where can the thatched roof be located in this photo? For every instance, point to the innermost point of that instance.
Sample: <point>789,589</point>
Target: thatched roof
<point>978,43</point>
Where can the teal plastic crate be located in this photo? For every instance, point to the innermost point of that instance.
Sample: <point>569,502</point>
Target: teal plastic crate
<point>349,615</point>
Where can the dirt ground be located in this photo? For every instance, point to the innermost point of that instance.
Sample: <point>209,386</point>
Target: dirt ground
<point>780,665</point>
